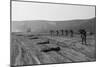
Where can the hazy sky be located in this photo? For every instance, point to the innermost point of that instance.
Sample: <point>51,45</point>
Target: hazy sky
<point>44,11</point>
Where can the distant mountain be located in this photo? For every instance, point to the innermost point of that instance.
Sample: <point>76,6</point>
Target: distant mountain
<point>44,25</point>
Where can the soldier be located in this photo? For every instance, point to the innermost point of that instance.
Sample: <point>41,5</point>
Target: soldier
<point>71,32</point>
<point>83,36</point>
<point>57,32</point>
<point>62,32</point>
<point>66,32</point>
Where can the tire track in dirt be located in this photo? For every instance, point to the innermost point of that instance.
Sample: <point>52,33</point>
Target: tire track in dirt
<point>14,51</point>
<point>89,58</point>
<point>25,57</point>
<point>65,56</point>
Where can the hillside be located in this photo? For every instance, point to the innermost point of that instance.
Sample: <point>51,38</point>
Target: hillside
<point>44,25</point>
<point>88,24</point>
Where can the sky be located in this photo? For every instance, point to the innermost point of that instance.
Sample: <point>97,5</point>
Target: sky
<point>54,12</point>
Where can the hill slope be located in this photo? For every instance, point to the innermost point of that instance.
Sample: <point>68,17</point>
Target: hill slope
<point>44,25</point>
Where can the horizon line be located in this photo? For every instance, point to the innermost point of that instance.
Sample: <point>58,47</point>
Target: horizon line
<point>56,20</point>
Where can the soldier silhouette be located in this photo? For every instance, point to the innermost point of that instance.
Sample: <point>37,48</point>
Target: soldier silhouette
<point>83,36</point>
<point>66,32</point>
<point>71,33</point>
<point>57,32</point>
<point>62,32</point>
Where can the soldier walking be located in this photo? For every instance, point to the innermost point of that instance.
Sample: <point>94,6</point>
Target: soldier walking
<point>83,36</point>
<point>66,32</point>
<point>57,32</point>
<point>71,33</point>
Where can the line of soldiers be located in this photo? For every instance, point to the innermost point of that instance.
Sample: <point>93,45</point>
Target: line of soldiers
<point>82,32</point>
<point>62,32</point>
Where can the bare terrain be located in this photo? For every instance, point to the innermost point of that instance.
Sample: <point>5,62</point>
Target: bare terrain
<point>26,49</point>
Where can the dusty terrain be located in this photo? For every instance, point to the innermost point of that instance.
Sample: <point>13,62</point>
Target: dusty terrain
<point>26,50</point>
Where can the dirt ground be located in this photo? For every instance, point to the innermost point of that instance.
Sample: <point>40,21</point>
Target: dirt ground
<point>27,51</point>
